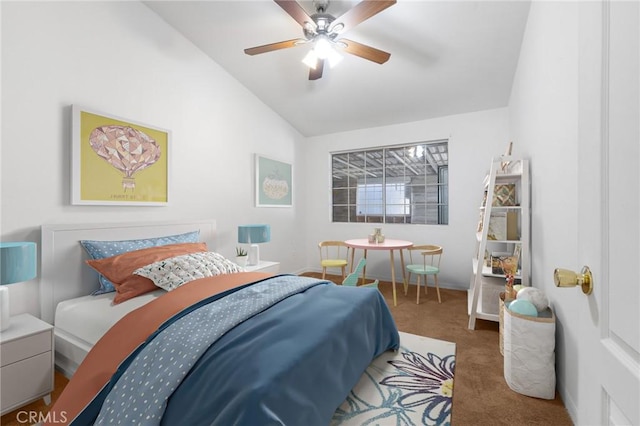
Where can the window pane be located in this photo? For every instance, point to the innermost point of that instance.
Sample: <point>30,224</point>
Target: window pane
<point>340,214</point>
<point>397,184</point>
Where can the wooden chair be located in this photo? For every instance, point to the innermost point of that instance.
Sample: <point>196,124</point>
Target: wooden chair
<point>352,278</point>
<point>430,265</point>
<point>333,254</point>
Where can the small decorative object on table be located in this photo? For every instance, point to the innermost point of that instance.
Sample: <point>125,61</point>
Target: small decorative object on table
<point>378,236</point>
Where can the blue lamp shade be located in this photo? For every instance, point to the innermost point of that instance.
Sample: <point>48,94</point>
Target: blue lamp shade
<point>252,234</point>
<point>18,262</point>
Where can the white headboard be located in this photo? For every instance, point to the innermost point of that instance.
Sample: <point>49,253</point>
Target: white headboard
<point>64,274</point>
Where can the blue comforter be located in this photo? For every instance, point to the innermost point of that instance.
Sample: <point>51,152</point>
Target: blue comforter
<point>290,358</point>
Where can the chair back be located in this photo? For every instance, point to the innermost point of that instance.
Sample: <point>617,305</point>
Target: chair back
<point>431,255</point>
<point>333,250</point>
<point>352,278</point>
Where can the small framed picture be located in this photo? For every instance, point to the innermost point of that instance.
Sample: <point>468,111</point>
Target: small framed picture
<point>274,183</point>
<point>117,161</point>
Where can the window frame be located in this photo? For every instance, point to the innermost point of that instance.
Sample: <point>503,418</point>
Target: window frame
<point>373,164</point>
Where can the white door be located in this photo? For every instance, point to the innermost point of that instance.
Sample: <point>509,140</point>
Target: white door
<point>609,218</point>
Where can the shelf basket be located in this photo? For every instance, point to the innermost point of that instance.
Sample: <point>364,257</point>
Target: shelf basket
<point>501,302</point>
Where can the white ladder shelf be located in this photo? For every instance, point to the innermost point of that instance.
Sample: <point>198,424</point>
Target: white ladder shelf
<point>504,170</point>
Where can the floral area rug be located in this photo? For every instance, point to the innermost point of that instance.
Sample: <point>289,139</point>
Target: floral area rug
<point>413,386</point>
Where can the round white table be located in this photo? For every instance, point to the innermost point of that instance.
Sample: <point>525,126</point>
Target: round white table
<point>388,244</point>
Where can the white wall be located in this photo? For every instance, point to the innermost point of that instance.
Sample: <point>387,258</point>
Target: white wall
<point>544,122</point>
<point>121,58</point>
<point>473,140</point>
<point>131,64</point>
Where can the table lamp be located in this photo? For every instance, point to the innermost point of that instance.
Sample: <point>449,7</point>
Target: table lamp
<point>252,235</point>
<point>18,263</point>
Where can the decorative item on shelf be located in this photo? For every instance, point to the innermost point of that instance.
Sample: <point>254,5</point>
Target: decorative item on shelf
<point>504,195</point>
<point>241,256</point>
<point>500,260</point>
<point>517,251</point>
<point>479,227</point>
<point>510,292</point>
<point>253,235</point>
<point>504,166</point>
<point>509,266</point>
<point>18,263</point>
<point>497,226</point>
<point>512,226</point>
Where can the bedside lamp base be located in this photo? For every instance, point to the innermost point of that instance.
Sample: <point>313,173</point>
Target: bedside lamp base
<point>5,319</point>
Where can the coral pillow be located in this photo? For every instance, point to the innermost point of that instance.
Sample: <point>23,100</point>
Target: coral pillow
<point>102,249</point>
<point>119,269</point>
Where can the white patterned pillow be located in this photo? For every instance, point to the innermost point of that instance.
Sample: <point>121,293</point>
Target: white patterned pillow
<point>171,273</point>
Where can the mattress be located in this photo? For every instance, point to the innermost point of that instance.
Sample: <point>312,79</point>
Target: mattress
<point>88,318</point>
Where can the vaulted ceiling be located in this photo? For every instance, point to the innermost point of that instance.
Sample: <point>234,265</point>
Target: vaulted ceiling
<point>447,57</point>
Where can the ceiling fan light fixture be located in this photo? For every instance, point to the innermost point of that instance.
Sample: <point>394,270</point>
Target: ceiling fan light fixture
<point>311,59</point>
<point>323,47</point>
<point>323,31</point>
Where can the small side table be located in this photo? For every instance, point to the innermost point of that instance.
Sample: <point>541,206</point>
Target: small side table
<point>264,266</point>
<point>26,362</point>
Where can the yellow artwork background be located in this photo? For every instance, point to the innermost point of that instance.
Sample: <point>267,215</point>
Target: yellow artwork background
<point>100,181</point>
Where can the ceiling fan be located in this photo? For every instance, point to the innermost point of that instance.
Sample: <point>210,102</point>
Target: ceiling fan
<point>324,31</point>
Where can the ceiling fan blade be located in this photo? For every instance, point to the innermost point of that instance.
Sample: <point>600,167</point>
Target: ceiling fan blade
<point>274,46</point>
<point>364,51</point>
<point>296,12</point>
<point>316,73</point>
<point>360,12</point>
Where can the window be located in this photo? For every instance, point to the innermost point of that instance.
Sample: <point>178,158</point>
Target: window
<point>396,184</point>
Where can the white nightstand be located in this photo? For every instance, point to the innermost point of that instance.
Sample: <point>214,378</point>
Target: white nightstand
<point>26,362</point>
<point>264,266</point>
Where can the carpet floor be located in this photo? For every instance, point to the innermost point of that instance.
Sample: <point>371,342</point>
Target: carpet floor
<point>480,396</point>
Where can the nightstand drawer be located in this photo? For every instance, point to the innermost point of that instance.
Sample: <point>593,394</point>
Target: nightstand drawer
<point>23,381</point>
<point>15,350</point>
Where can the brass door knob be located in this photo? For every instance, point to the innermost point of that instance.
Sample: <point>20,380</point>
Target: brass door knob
<point>568,278</point>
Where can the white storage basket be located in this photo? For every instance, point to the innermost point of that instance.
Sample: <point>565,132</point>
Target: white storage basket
<point>529,353</point>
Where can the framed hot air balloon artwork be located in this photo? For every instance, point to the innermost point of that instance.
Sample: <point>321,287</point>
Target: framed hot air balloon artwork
<point>116,161</point>
<point>274,183</point>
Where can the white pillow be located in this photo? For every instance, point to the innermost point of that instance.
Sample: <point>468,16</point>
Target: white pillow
<point>171,273</point>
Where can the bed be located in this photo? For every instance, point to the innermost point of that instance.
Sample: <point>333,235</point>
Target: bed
<point>269,349</point>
